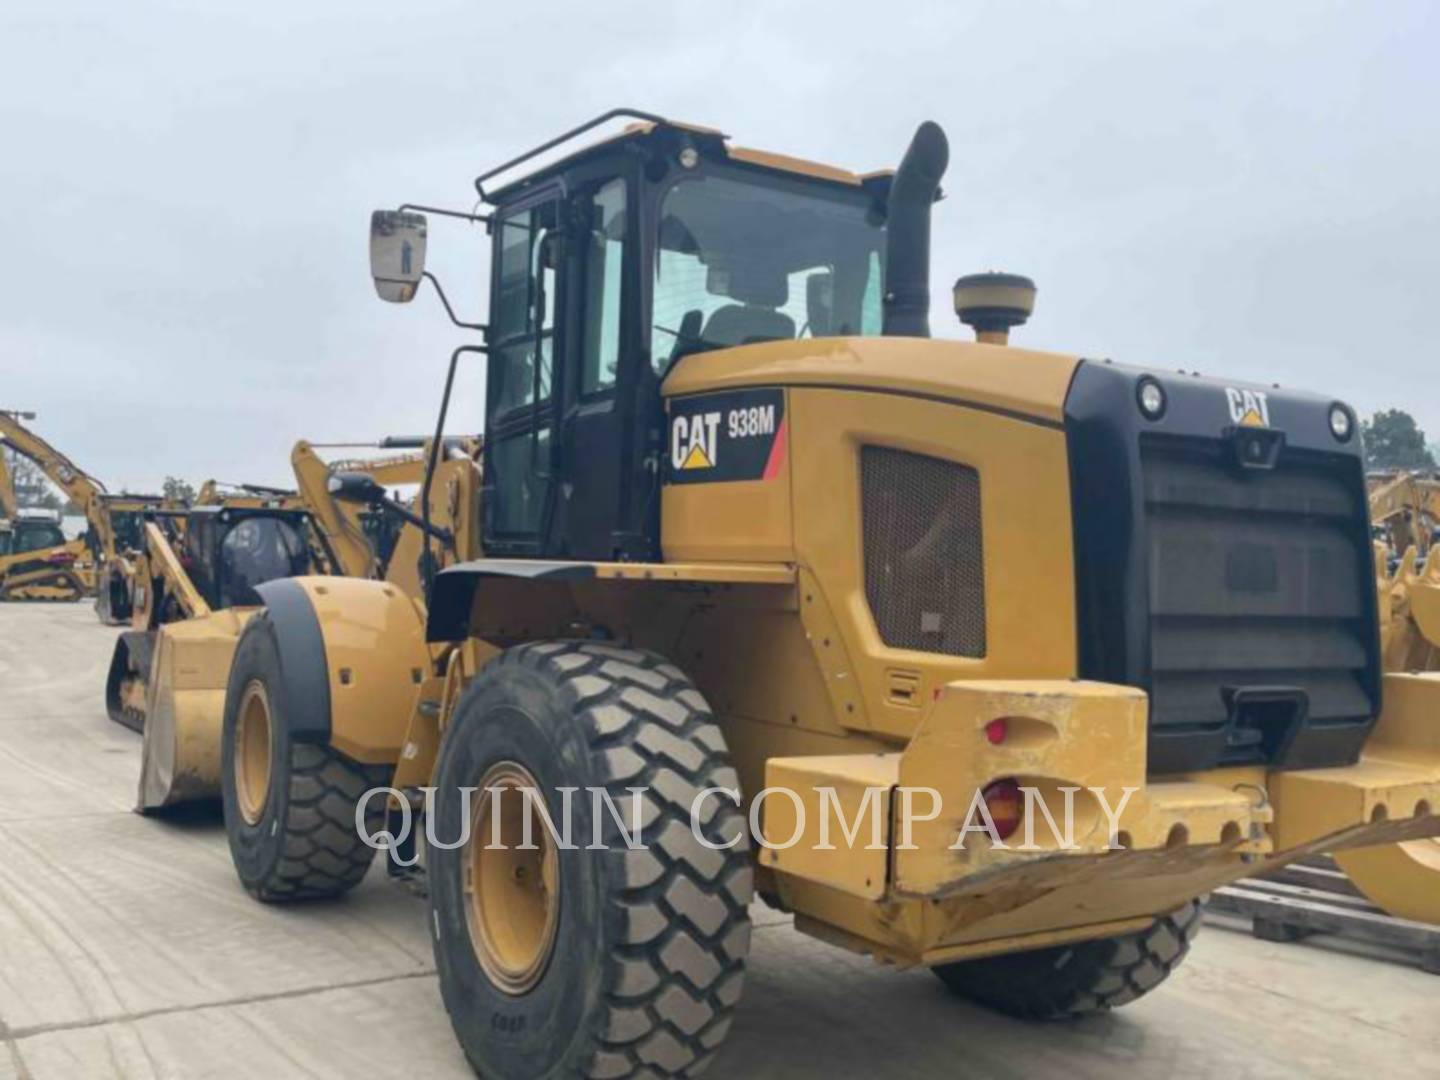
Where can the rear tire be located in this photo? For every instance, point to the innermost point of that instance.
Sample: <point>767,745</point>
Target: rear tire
<point>291,826</point>
<point>1070,981</point>
<point>643,967</point>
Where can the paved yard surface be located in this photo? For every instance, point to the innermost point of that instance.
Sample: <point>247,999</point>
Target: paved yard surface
<point>127,949</point>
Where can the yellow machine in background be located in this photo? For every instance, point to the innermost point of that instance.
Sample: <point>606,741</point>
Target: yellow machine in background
<point>36,561</point>
<point>120,542</point>
<point>194,590</point>
<point>1406,511</point>
<point>199,580</point>
<point>746,529</point>
<point>1404,878</point>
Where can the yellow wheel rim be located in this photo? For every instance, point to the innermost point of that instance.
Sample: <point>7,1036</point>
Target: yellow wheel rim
<point>252,752</point>
<point>512,897</point>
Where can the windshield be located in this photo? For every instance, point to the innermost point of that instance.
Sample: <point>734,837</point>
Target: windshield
<point>256,551</point>
<point>741,261</point>
<point>36,536</point>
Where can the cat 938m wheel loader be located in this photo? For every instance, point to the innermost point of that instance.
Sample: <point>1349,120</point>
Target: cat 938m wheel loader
<point>774,593</point>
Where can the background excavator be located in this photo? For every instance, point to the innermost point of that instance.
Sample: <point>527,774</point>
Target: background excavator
<point>36,561</point>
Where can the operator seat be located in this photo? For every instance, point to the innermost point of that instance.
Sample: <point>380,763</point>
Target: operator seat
<point>743,324</point>
<point>754,318</point>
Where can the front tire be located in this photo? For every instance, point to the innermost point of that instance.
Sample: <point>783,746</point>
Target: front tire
<point>289,807</point>
<point>641,970</point>
<point>1071,981</point>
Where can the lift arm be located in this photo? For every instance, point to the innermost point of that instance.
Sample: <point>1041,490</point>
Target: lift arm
<point>9,504</point>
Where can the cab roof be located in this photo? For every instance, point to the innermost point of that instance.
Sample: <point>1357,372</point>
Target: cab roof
<point>707,141</point>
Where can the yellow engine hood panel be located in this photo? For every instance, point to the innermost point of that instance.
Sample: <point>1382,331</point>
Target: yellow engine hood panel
<point>1003,378</point>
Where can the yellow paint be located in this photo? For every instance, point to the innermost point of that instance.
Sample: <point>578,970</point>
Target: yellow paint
<point>377,658</point>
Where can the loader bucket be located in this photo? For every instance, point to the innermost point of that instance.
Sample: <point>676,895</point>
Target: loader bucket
<point>125,683</point>
<point>185,709</point>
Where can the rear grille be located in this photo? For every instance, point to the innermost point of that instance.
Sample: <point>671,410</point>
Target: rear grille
<point>924,562</point>
<point>1255,581</point>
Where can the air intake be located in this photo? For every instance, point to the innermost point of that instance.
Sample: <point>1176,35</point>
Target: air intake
<point>924,561</point>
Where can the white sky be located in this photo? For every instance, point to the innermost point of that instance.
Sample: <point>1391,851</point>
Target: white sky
<point>1245,188</point>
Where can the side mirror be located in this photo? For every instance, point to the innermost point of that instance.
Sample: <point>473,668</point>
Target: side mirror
<point>356,487</point>
<point>397,254</point>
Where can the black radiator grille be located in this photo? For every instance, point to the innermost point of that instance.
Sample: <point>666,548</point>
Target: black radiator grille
<point>1255,580</point>
<point>924,561</point>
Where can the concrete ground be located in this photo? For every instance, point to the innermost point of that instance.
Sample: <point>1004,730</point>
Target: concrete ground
<point>127,949</point>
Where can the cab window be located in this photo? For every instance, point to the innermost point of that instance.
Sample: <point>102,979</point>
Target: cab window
<point>749,260</point>
<point>525,290</point>
<point>604,259</point>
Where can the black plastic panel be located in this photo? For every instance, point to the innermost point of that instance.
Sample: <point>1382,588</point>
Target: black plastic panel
<point>1240,598</point>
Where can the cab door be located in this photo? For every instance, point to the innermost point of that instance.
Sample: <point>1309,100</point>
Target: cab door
<point>524,340</point>
<point>599,499</point>
<point>565,475</point>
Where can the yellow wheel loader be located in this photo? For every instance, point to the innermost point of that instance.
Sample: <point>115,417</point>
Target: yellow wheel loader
<point>971,656</point>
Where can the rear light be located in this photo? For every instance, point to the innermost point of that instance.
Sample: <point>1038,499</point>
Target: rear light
<point>1006,806</point>
<point>61,558</point>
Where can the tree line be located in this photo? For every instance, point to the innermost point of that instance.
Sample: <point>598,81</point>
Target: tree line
<point>1394,441</point>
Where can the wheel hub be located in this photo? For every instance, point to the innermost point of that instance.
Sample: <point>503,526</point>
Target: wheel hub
<point>512,898</point>
<point>252,752</point>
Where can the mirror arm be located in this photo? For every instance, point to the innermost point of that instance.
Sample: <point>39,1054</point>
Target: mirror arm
<point>448,309</point>
<point>427,569</point>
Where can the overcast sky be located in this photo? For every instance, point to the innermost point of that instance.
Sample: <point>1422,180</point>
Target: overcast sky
<point>1250,189</point>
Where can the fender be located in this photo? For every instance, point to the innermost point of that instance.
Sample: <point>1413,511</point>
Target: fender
<point>452,597</point>
<point>302,659</point>
<point>353,657</point>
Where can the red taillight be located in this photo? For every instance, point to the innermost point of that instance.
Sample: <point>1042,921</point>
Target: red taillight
<point>996,730</point>
<point>1006,804</point>
<point>61,558</point>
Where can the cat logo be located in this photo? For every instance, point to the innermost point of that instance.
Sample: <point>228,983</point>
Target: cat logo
<point>1248,408</point>
<point>693,442</point>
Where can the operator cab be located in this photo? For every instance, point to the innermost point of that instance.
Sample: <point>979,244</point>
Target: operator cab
<point>25,534</point>
<point>611,266</point>
<point>229,552</point>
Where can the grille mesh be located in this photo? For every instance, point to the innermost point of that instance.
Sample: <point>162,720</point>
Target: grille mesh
<point>924,562</point>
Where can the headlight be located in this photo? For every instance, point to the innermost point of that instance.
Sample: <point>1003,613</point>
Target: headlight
<point>1341,426</point>
<point>1151,396</point>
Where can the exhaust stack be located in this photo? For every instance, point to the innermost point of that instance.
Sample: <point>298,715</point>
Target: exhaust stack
<point>907,233</point>
<point>991,303</point>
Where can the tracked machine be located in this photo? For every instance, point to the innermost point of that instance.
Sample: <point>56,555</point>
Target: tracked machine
<point>197,585</point>
<point>753,548</point>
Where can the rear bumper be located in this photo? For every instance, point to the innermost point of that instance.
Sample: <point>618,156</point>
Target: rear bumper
<point>1126,848</point>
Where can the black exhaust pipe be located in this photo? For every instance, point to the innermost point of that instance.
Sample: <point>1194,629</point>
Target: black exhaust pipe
<point>907,233</point>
